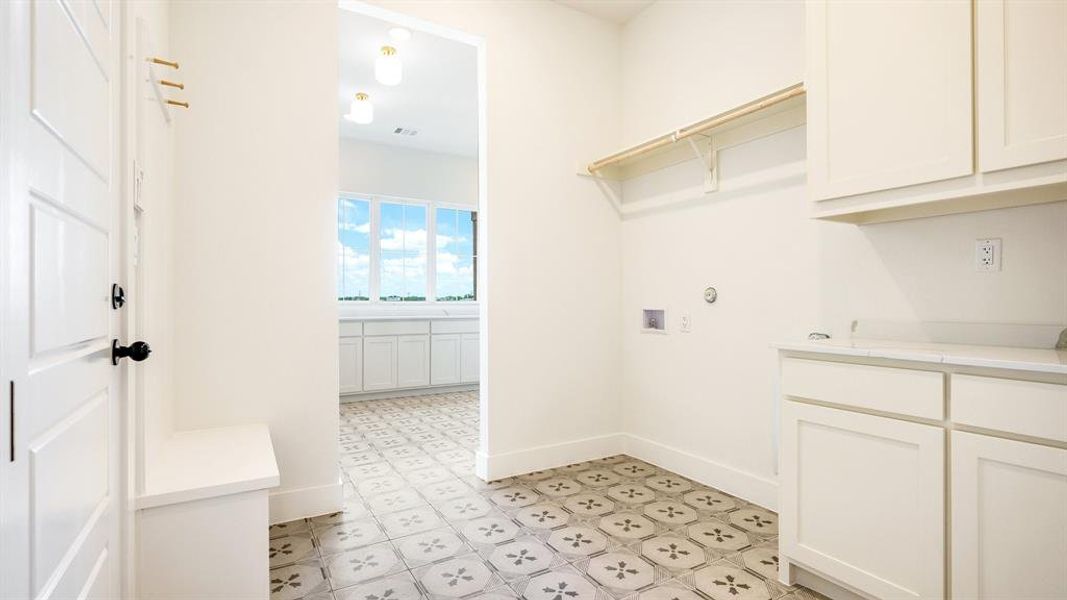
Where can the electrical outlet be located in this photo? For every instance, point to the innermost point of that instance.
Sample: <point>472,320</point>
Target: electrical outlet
<point>987,254</point>
<point>686,323</point>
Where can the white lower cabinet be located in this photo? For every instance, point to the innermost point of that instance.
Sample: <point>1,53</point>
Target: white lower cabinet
<point>863,500</point>
<point>470,361</point>
<point>350,362</point>
<point>379,363</point>
<point>412,361</point>
<point>1009,519</point>
<point>445,359</point>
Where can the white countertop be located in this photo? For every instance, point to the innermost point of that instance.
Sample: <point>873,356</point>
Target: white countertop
<point>207,463</point>
<point>413,318</point>
<point>1039,360</point>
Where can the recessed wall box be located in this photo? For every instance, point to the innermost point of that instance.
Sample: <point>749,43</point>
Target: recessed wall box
<point>653,320</point>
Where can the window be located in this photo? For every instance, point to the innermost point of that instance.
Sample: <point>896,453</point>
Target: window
<point>402,239</point>
<point>394,251</point>
<point>455,254</point>
<point>353,249</point>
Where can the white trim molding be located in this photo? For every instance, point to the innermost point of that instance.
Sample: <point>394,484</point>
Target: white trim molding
<point>517,462</point>
<point>287,505</point>
<point>747,486</point>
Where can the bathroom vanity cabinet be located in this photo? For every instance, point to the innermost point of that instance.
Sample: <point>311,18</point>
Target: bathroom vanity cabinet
<point>924,471</point>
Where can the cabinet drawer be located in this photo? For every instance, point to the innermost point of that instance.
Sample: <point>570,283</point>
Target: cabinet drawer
<point>902,391</point>
<point>1022,407</point>
<point>396,327</point>
<point>351,328</point>
<point>464,326</point>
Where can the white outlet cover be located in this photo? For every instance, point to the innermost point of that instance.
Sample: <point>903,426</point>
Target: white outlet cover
<point>686,323</point>
<point>987,254</point>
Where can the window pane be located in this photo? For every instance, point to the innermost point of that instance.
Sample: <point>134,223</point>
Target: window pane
<point>455,254</point>
<point>403,248</point>
<point>353,249</point>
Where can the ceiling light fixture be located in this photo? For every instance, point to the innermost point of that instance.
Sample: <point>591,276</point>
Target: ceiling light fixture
<point>361,110</point>
<point>388,69</point>
<point>399,34</point>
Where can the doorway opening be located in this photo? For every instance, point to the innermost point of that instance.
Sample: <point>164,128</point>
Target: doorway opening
<point>412,232</point>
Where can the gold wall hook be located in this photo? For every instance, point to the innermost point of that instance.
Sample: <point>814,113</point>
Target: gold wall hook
<point>173,84</point>
<point>177,103</point>
<point>165,63</point>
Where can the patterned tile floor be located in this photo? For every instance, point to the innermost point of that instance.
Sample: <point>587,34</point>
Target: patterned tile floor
<point>417,524</point>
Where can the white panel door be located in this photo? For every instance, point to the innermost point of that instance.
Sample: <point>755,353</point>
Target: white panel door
<point>444,359</point>
<point>888,94</point>
<point>351,364</point>
<point>1009,519</point>
<point>863,500</point>
<point>412,361</point>
<point>61,251</point>
<point>470,364</point>
<point>379,363</point>
<point>1021,70</point>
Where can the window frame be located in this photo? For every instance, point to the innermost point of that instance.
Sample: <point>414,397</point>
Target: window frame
<point>375,201</point>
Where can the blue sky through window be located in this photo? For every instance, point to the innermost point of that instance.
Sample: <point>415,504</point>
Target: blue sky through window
<point>454,254</point>
<point>353,249</point>
<point>403,252</point>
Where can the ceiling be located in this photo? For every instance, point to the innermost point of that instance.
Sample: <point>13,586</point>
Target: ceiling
<point>616,11</point>
<point>438,96</point>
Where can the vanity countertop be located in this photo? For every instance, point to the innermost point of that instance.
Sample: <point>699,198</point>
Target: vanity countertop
<point>1039,360</point>
<point>473,317</point>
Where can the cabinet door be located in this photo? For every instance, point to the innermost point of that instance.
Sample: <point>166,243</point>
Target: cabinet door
<point>351,364</point>
<point>470,361</point>
<point>1009,519</point>
<point>413,361</point>
<point>863,500</point>
<point>379,363</point>
<point>888,94</point>
<point>1022,82</point>
<point>444,359</point>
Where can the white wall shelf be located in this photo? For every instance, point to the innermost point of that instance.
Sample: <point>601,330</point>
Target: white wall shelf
<point>703,140</point>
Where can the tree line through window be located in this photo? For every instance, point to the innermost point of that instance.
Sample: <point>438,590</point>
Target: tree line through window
<point>383,251</point>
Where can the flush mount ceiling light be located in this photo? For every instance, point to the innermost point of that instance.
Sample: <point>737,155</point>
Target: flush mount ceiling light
<point>361,110</point>
<point>388,69</point>
<point>399,34</point>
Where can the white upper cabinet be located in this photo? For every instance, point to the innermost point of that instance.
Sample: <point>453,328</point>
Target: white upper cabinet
<point>889,94</point>
<point>1021,82</point>
<point>918,109</point>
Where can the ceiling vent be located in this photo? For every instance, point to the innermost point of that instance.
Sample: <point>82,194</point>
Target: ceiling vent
<point>406,132</point>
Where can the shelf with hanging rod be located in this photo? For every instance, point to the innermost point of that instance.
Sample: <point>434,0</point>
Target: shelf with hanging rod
<point>682,144</point>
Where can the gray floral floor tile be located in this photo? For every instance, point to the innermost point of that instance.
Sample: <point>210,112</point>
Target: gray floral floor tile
<point>401,586</point>
<point>431,546</point>
<point>417,524</point>
<point>363,564</point>
<point>406,522</point>
<point>297,581</point>
<point>348,536</point>
<point>542,516</point>
<point>290,549</point>
<point>457,577</point>
<point>578,541</point>
<point>724,581</point>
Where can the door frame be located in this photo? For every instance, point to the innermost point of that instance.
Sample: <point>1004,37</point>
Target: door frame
<point>481,461</point>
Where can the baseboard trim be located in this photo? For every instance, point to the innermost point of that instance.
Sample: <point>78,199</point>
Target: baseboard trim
<point>498,466</point>
<point>744,485</point>
<point>353,397</point>
<point>287,505</point>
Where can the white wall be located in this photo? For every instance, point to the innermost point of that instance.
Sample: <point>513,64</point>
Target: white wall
<point>370,168</point>
<point>704,403</point>
<point>255,210</point>
<point>554,265</point>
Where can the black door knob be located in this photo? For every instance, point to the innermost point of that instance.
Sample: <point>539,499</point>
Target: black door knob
<point>136,351</point>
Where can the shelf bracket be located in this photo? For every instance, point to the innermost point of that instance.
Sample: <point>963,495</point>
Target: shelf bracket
<point>710,162</point>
